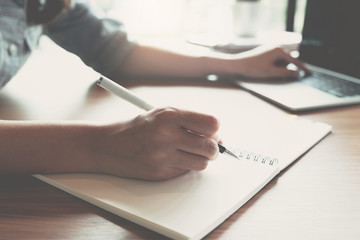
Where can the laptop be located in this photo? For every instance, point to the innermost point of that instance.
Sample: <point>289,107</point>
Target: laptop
<point>330,48</point>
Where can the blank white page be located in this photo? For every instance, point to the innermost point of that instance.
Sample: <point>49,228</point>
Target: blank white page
<point>187,207</point>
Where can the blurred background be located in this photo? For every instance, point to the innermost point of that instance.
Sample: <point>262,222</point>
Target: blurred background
<point>179,18</point>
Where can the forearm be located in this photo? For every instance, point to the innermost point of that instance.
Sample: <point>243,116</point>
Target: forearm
<point>258,63</point>
<point>149,61</point>
<point>154,145</point>
<point>37,147</point>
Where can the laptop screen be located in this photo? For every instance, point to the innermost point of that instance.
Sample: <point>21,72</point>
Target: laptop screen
<point>331,35</point>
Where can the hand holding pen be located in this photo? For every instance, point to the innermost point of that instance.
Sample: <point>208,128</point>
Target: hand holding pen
<point>160,143</point>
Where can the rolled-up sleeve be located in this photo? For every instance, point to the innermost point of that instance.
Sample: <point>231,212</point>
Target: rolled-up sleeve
<point>101,43</point>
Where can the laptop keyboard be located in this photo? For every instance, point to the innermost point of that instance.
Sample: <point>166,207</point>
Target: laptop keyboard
<point>333,85</point>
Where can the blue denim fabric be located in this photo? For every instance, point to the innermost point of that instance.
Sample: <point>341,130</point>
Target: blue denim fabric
<point>101,44</point>
<point>16,38</point>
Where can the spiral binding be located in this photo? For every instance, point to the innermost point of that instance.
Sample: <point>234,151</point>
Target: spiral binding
<point>264,159</point>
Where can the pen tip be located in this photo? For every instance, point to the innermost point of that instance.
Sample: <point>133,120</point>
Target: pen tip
<point>99,80</point>
<point>232,154</point>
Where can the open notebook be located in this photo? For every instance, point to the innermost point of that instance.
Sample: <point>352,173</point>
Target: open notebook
<point>192,205</point>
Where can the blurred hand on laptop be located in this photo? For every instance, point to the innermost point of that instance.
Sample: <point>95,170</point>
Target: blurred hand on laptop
<point>270,62</point>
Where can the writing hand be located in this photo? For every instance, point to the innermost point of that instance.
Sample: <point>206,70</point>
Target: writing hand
<point>157,145</point>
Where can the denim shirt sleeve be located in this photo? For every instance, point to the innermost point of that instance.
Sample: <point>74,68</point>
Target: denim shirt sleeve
<point>100,43</point>
<point>17,39</point>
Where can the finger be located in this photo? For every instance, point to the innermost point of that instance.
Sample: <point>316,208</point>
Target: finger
<point>189,161</point>
<point>198,145</point>
<point>300,65</point>
<point>284,73</point>
<point>216,137</point>
<point>199,123</point>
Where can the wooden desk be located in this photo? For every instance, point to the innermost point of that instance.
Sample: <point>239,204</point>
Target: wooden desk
<point>317,197</point>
